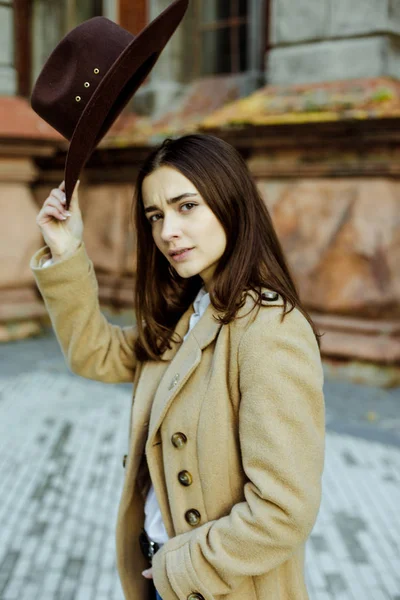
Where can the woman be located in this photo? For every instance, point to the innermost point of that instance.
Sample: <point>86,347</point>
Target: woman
<point>227,426</point>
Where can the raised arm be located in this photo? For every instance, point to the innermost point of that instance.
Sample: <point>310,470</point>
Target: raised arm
<point>92,347</point>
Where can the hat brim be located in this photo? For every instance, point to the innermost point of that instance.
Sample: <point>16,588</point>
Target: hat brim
<point>116,88</point>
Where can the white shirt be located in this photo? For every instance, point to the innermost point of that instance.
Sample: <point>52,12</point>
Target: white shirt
<point>153,523</point>
<point>47,263</point>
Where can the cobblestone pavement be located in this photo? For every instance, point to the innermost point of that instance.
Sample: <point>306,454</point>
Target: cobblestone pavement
<point>62,439</point>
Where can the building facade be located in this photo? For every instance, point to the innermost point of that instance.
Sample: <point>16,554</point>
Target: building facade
<point>317,118</point>
<point>256,41</point>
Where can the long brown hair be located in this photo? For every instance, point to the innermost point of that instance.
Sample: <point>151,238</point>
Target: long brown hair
<point>253,257</point>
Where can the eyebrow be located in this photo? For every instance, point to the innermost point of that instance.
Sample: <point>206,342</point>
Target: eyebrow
<point>170,201</point>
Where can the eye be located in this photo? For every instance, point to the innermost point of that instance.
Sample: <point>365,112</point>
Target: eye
<point>189,204</point>
<point>154,218</point>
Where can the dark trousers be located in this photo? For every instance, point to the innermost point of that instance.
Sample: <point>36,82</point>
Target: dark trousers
<point>156,595</point>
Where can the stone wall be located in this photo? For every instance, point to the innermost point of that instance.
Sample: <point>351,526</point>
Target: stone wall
<point>324,40</point>
<point>22,136</point>
<point>333,191</point>
<point>342,241</point>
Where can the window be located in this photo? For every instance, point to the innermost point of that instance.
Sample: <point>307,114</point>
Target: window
<point>222,33</point>
<point>228,37</point>
<point>81,10</point>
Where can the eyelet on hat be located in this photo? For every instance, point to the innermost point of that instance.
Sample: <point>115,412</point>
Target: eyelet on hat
<point>78,98</point>
<point>96,71</point>
<point>86,84</point>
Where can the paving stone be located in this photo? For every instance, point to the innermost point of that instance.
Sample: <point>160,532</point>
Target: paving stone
<point>13,589</point>
<point>90,573</point>
<point>85,592</point>
<point>319,542</point>
<point>52,581</point>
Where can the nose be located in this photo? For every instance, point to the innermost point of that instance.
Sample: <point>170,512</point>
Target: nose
<point>170,228</point>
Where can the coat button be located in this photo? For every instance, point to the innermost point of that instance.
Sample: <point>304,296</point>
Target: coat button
<point>192,516</point>
<point>195,596</point>
<point>124,460</point>
<point>185,478</point>
<point>179,439</point>
<point>270,296</point>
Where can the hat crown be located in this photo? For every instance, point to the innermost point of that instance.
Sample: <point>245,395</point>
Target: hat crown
<point>74,69</point>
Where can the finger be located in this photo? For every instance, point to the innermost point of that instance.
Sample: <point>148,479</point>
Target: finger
<point>56,212</point>
<point>57,203</point>
<point>57,193</point>
<point>147,573</point>
<point>62,186</point>
<point>51,211</point>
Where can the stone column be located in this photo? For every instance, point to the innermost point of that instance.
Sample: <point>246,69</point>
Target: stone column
<point>21,307</point>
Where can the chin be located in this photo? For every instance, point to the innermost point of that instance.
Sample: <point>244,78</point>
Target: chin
<point>187,272</point>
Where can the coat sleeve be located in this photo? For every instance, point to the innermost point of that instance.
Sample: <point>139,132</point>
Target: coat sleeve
<point>281,432</point>
<point>92,347</point>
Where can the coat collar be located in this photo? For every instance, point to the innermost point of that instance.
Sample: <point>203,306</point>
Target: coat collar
<point>184,358</point>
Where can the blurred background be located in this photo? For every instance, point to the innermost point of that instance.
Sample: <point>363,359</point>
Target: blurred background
<point>309,93</point>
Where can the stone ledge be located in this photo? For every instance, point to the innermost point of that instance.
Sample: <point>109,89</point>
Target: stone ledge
<point>359,339</point>
<point>18,120</point>
<point>343,101</point>
<point>20,330</point>
<point>362,372</point>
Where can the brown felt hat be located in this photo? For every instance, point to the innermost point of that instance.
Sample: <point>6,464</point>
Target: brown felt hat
<point>91,75</point>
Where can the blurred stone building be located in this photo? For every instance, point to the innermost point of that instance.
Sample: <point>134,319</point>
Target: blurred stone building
<point>308,92</point>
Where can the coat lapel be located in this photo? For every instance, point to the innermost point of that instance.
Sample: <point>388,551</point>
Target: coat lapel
<point>152,374</point>
<point>144,392</point>
<point>184,360</point>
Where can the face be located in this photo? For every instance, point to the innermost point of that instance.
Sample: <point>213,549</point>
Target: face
<point>182,221</point>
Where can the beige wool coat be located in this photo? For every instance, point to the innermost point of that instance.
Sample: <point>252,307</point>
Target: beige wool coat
<point>246,400</point>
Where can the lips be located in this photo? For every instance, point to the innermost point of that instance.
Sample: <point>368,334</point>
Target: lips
<point>178,252</point>
<point>181,255</point>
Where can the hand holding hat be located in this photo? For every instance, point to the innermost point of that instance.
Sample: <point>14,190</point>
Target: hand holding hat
<point>62,230</point>
<point>91,75</point>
